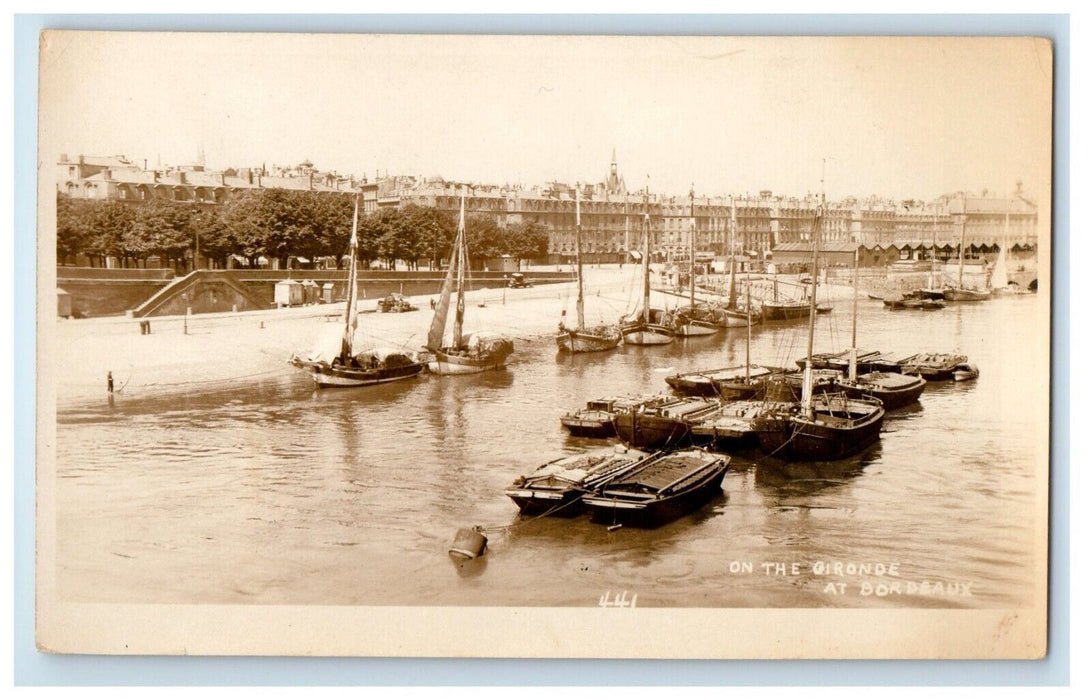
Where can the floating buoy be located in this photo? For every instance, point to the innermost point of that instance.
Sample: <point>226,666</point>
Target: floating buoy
<point>469,543</point>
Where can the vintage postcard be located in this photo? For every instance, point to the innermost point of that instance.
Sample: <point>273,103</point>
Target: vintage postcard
<point>551,346</point>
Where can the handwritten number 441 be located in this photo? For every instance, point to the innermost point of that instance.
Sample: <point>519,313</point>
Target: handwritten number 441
<point>618,600</point>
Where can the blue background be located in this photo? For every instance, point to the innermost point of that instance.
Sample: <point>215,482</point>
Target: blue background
<point>33,668</point>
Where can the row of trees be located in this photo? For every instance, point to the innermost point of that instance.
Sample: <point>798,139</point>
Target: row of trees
<point>276,223</point>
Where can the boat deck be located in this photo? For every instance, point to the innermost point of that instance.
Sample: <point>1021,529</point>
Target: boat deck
<point>670,472</point>
<point>684,410</point>
<point>578,469</point>
<point>889,380</point>
<point>733,419</point>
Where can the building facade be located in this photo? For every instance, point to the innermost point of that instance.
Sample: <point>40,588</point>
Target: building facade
<point>119,178</point>
<point>612,217</point>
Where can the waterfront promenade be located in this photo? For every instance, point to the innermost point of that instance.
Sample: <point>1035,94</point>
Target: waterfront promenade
<point>210,351</point>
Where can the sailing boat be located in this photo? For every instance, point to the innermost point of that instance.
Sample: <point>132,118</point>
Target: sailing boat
<point>961,293</point>
<point>730,428</point>
<point>338,363</point>
<point>894,389</point>
<point>647,326</point>
<point>473,352</point>
<point>998,281</point>
<point>694,321</point>
<point>829,426</point>
<point>581,338</point>
<point>785,309</point>
<point>732,316</point>
<point>932,291</point>
<point>726,383</point>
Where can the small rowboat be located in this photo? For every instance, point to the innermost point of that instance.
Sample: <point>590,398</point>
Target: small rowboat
<point>659,490</point>
<point>965,372</point>
<point>935,367</point>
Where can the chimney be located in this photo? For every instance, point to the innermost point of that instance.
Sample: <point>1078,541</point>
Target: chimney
<point>64,157</point>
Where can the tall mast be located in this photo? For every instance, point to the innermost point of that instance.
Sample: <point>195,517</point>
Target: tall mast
<point>932,272</point>
<point>807,370</point>
<point>692,247</point>
<point>1004,244</point>
<point>855,296</point>
<point>443,303</point>
<point>579,264</point>
<point>731,251</point>
<point>647,278</point>
<point>748,319</point>
<point>350,305</point>
<point>460,278</point>
<point>961,246</point>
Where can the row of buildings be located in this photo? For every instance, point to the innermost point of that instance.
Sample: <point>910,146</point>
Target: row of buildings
<point>612,217</point>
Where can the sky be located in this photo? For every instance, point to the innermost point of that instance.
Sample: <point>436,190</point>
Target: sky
<point>896,117</point>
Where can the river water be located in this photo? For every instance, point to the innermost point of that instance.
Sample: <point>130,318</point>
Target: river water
<point>272,493</point>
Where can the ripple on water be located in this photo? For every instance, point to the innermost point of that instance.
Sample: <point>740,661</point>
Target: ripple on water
<point>354,496</point>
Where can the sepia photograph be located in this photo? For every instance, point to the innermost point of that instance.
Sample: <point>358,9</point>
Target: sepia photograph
<point>543,346</point>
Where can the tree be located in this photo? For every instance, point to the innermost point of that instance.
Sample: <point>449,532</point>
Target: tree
<point>528,239</point>
<point>331,222</point>
<point>240,217</point>
<point>108,224</point>
<point>434,233</point>
<point>162,228</point>
<point>484,237</point>
<point>206,226</point>
<point>73,236</point>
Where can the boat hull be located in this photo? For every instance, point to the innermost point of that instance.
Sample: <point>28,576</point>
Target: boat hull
<point>447,364</point>
<point>932,368</point>
<point>582,341</point>
<point>648,334</point>
<point>565,504</point>
<point>645,431</point>
<point>965,372</point>
<point>692,385</point>
<point>964,295</point>
<point>735,319</point>
<point>784,312</point>
<point>589,428</point>
<point>891,397</point>
<point>738,391</point>
<point>326,376</point>
<point>690,329</point>
<point>793,438</point>
<point>648,514</point>
<point>721,440</point>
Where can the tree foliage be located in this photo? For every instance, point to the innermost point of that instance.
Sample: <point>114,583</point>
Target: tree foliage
<point>276,224</point>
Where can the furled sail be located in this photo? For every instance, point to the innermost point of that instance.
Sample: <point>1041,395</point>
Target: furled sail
<point>350,306</point>
<point>443,304</point>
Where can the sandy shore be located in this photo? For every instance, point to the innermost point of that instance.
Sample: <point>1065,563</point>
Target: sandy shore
<point>215,350</point>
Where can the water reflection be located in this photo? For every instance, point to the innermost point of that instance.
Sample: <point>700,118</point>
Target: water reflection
<point>259,486</point>
<point>780,477</point>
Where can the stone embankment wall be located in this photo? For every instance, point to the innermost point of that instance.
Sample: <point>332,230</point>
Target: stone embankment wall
<point>108,292</point>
